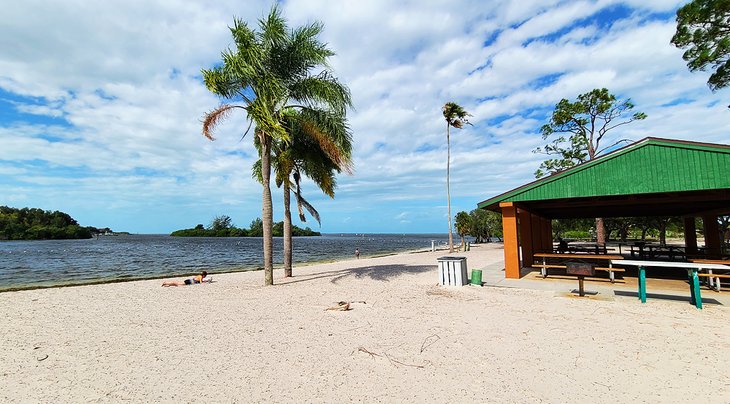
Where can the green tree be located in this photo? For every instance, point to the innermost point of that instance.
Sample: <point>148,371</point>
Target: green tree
<point>455,116</point>
<point>562,228</point>
<point>703,28</point>
<point>724,228</point>
<point>622,226</point>
<point>485,224</point>
<point>222,222</point>
<point>37,224</point>
<point>257,228</point>
<point>319,146</point>
<point>463,226</point>
<point>586,122</point>
<point>663,223</point>
<point>270,71</point>
<point>644,225</point>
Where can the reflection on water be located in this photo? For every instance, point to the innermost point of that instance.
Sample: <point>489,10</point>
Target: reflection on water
<point>27,264</point>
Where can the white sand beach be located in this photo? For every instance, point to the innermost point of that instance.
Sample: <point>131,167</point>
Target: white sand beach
<point>405,339</point>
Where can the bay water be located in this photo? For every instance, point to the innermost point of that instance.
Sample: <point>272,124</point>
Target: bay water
<point>48,263</point>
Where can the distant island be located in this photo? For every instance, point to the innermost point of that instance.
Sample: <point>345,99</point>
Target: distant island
<point>223,227</point>
<point>39,224</point>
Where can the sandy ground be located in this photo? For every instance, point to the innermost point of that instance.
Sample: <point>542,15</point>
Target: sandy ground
<point>410,341</point>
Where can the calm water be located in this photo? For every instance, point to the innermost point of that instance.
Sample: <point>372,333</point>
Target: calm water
<point>30,264</point>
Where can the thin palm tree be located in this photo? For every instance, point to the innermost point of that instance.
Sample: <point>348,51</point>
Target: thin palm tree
<point>320,145</point>
<point>455,116</point>
<point>267,72</point>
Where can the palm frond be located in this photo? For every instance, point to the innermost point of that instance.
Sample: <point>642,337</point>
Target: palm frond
<point>273,33</point>
<point>322,90</point>
<point>330,148</point>
<point>301,202</point>
<point>213,118</point>
<point>302,53</point>
<point>256,171</point>
<point>322,174</point>
<point>455,115</point>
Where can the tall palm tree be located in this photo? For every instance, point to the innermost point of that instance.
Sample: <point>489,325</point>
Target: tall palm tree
<point>455,116</point>
<point>320,145</point>
<point>267,72</point>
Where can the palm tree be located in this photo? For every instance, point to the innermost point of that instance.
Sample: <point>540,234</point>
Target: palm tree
<point>455,116</point>
<point>319,145</point>
<point>268,72</point>
<point>463,226</point>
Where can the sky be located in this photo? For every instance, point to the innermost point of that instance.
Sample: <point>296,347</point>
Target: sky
<point>101,103</point>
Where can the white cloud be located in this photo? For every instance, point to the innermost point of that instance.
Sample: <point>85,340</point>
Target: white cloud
<point>112,129</point>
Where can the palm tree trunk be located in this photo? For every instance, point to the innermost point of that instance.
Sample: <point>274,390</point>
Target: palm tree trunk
<point>288,241</point>
<point>448,188</point>
<point>267,210</point>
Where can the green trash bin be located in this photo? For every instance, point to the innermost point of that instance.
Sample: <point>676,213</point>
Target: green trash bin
<point>476,277</point>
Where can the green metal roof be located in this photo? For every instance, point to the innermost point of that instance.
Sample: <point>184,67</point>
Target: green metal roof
<point>649,166</point>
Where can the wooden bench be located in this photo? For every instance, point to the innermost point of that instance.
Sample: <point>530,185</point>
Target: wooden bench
<point>714,285</point>
<point>544,266</point>
<point>713,280</point>
<point>610,269</point>
<point>548,266</point>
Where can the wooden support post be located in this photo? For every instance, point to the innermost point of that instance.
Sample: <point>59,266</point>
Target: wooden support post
<point>526,238</point>
<point>539,241</point>
<point>690,236</point>
<point>547,233</point>
<point>536,234</point>
<point>712,236</point>
<point>511,243</point>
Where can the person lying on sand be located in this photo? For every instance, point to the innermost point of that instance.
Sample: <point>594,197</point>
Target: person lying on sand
<point>190,281</point>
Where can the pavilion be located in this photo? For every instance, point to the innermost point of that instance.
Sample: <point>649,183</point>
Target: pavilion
<point>651,177</point>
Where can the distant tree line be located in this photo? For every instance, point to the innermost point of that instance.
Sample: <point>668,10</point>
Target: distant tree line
<point>481,224</point>
<point>222,226</point>
<point>484,225</point>
<point>636,228</point>
<point>39,224</point>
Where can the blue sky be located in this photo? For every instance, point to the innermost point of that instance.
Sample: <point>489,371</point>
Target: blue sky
<point>101,103</point>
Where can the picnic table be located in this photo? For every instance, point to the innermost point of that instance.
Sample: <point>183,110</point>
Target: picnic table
<point>594,248</point>
<point>692,269</point>
<point>671,251</point>
<point>572,247</point>
<point>713,280</point>
<point>562,257</point>
<point>646,250</point>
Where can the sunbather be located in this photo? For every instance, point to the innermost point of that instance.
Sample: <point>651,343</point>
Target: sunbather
<point>190,281</point>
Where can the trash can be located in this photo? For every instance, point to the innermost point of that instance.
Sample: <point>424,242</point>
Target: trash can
<point>476,277</point>
<point>452,271</point>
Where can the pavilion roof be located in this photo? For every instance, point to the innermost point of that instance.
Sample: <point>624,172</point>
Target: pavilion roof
<point>651,177</point>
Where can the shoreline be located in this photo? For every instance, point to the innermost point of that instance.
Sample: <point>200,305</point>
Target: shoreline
<point>211,271</point>
<point>404,339</point>
<point>27,265</point>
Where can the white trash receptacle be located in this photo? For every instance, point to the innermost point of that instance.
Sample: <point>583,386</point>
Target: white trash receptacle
<point>452,271</point>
